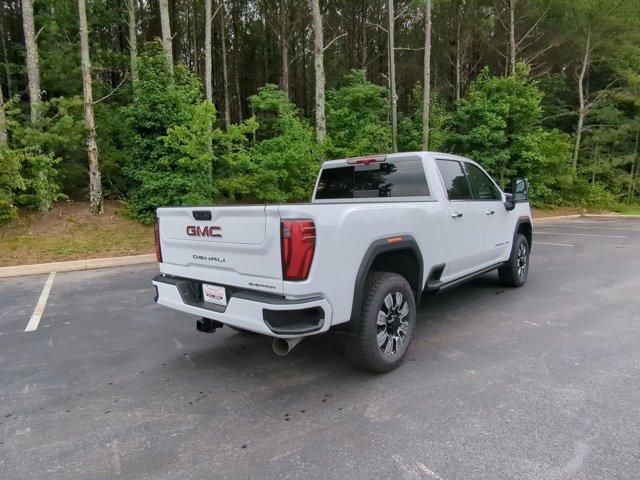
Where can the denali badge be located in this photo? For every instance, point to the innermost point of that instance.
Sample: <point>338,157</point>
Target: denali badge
<point>208,231</point>
<point>209,259</point>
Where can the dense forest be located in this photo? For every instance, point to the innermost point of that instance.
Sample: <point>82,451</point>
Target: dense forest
<point>167,102</point>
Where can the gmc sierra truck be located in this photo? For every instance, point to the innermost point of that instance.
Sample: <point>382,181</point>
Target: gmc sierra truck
<point>378,233</point>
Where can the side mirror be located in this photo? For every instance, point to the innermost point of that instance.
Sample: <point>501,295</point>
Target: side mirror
<point>520,190</point>
<point>509,202</point>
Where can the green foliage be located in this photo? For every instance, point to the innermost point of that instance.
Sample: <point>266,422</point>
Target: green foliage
<point>495,123</point>
<point>235,169</point>
<point>166,137</point>
<point>39,171</point>
<point>358,118</point>
<point>10,181</point>
<point>27,178</point>
<point>61,133</point>
<point>498,125</point>
<point>551,176</point>
<point>288,157</point>
<point>410,126</point>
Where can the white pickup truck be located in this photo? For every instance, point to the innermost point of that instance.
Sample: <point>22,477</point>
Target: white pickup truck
<point>379,232</point>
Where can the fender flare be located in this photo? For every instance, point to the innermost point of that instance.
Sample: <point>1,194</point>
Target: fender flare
<point>376,248</point>
<point>523,220</point>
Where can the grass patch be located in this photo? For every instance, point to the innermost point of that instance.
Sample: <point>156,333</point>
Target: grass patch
<point>633,209</point>
<point>69,232</point>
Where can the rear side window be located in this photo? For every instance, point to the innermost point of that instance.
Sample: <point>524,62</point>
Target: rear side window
<point>455,180</point>
<point>403,178</point>
<point>481,185</point>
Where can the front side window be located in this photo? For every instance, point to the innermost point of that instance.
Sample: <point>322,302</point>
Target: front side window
<point>481,185</point>
<point>455,180</point>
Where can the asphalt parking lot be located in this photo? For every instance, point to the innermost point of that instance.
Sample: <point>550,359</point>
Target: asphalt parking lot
<point>541,382</point>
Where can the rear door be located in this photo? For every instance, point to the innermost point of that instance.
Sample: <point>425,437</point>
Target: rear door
<point>467,241</point>
<point>236,245</point>
<point>497,224</point>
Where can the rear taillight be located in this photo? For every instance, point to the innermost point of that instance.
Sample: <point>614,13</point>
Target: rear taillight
<point>157,239</point>
<point>298,243</point>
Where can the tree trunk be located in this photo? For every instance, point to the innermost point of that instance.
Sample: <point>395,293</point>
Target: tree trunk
<point>318,62</point>
<point>392,79</point>
<point>95,183</point>
<point>33,74</point>
<point>426,97</point>
<point>225,70</point>
<point>365,39</point>
<point>512,36</point>
<point>634,169</point>
<point>236,54</point>
<point>3,120</point>
<point>208,70</point>
<point>165,24</point>
<point>582,112</point>
<point>33,70</point>
<point>284,46</point>
<point>133,39</point>
<point>459,52</point>
<point>5,56</point>
<point>194,41</point>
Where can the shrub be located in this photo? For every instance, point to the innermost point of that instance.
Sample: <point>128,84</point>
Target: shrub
<point>10,181</point>
<point>498,125</point>
<point>27,179</point>
<point>60,133</point>
<point>410,126</point>
<point>166,138</point>
<point>358,118</point>
<point>288,157</point>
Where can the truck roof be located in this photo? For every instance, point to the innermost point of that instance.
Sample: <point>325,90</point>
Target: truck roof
<point>378,157</point>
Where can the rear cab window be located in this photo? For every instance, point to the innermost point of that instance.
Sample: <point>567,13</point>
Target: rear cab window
<point>404,177</point>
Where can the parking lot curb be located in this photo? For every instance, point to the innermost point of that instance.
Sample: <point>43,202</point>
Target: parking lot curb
<point>585,215</point>
<point>72,265</point>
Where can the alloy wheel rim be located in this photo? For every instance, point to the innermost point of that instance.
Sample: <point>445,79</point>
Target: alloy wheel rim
<point>392,324</point>
<point>523,261</point>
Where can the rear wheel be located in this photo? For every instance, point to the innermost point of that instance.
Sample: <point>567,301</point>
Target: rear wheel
<point>386,323</point>
<point>514,271</point>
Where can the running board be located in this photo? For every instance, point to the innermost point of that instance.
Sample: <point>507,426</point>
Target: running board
<point>458,281</point>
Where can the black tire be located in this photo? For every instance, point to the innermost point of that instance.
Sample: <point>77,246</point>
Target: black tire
<point>363,347</point>
<point>514,272</point>
<point>243,331</point>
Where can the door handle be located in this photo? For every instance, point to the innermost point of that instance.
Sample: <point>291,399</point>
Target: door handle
<point>456,215</point>
<point>490,212</point>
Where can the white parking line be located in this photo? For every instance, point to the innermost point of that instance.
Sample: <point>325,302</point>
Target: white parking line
<point>42,301</point>
<point>593,226</point>
<point>538,232</point>
<point>556,244</point>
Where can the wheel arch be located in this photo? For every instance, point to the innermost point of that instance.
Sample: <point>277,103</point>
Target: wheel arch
<point>524,227</point>
<point>390,255</point>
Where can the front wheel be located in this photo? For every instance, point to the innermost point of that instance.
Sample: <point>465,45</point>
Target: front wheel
<point>514,271</point>
<point>386,323</point>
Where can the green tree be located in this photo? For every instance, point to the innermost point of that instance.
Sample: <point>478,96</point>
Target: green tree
<point>10,181</point>
<point>166,139</point>
<point>498,125</point>
<point>410,134</point>
<point>288,157</point>
<point>357,118</point>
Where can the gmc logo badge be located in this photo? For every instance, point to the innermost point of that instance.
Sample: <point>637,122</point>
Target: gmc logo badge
<point>208,231</point>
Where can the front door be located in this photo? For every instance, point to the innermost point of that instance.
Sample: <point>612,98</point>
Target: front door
<point>467,218</point>
<point>497,225</point>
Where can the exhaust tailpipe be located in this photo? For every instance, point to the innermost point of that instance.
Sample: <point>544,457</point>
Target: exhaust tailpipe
<point>282,346</point>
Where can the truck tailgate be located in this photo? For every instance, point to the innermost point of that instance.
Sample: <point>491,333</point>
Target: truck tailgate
<point>235,245</point>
